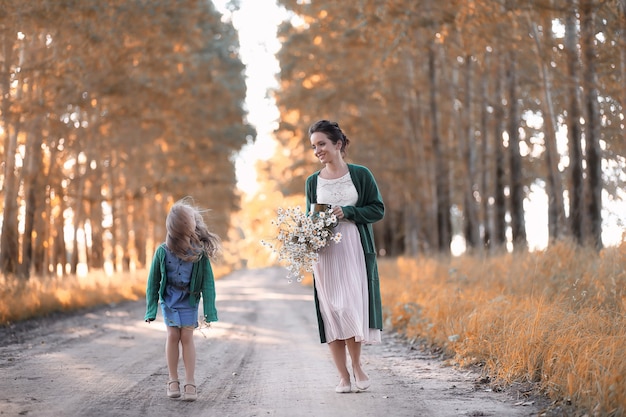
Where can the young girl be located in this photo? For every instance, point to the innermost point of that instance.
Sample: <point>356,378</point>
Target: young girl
<point>180,273</point>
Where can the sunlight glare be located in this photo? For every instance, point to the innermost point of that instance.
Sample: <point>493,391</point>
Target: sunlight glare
<point>259,45</point>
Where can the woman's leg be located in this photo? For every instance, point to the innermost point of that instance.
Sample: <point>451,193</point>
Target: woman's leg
<point>172,352</point>
<point>338,351</point>
<point>189,354</point>
<point>354,349</point>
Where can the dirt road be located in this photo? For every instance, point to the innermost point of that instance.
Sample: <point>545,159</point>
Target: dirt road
<point>263,358</point>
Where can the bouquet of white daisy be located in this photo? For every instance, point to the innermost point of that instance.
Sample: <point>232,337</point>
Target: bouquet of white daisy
<point>300,237</point>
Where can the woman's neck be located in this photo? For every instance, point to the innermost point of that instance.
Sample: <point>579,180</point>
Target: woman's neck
<point>332,171</point>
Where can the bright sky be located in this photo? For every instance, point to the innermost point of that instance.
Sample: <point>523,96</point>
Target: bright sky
<point>257,22</point>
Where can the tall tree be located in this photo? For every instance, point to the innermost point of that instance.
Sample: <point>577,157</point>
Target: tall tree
<point>621,42</point>
<point>576,194</point>
<point>9,241</point>
<point>472,227</point>
<point>554,189</point>
<point>499,237</point>
<point>486,152</point>
<point>518,226</point>
<point>350,61</point>
<point>444,222</point>
<point>104,106</point>
<point>592,122</point>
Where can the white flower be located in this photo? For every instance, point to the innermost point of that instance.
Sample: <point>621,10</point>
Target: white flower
<point>300,237</point>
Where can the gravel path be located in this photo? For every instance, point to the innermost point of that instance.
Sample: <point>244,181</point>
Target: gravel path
<point>263,358</point>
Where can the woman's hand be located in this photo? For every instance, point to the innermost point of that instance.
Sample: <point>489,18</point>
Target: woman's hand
<point>337,211</point>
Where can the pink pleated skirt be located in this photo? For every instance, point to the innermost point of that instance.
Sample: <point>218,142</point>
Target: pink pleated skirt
<point>341,284</point>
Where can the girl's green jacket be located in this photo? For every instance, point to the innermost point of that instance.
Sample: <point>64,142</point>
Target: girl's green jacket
<point>202,283</point>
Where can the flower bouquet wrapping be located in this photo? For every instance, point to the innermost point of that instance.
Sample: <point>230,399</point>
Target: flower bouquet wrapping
<point>300,237</point>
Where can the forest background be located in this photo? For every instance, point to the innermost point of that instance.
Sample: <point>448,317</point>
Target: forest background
<point>463,111</point>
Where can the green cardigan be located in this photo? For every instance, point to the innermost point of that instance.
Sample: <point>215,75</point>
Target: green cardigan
<point>202,283</point>
<point>369,209</point>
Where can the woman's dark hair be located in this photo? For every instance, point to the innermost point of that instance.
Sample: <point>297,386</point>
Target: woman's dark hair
<point>332,132</point>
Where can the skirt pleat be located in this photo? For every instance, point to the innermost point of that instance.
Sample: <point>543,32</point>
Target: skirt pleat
<point>341,285</point>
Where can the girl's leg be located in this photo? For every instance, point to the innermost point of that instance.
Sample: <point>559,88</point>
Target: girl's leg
<point>338,351</point>
<point>189,359</point>
<point>172,352</point>
<point>354,349</point>
<point>189,354</point>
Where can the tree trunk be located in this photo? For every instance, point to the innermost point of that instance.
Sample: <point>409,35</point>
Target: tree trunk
<point>622,54</point>
<point>32,187</point>
<point>472,234</point>
<point>59,247</point>
<point>415,154</point>
<point>94,196</point>
<point>592,124</point>
<point>9,241</point>
<point>124,230</point>
<point>554,189</point>
<point>112,185</point>
<point>576,198</point>
<point>518,227</point>
<point>499,236</point>
<point>77,213</point>
<point>411,215</point>
<point>427,191</point>
<point>41,229</point>
<point>45,255</point>
<point>485,151</point>
<point>444,223</point>
<point>139,226</point>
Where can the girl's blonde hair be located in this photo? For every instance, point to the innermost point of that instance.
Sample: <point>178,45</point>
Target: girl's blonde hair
<point>187,234</point>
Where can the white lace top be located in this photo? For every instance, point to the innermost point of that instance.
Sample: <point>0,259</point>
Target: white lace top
<point>339,191</point>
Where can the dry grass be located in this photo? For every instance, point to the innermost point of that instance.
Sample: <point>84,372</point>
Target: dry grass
<point>556,317</point>
<point>37,297</point>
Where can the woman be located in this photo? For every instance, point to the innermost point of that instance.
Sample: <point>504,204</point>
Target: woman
<point>346,287</point>
<point>180,273</point>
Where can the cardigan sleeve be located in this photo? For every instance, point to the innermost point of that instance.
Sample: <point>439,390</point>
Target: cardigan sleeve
<point>208,292</point>
<point>369,207</point>
<point>153,285</point>
<point>310,192</point>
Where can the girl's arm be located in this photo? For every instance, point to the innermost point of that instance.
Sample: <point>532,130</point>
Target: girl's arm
<point>152,288</point>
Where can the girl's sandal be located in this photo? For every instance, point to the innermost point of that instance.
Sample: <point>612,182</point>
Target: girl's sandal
<point>191,394</point>
<point>173,392</point>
